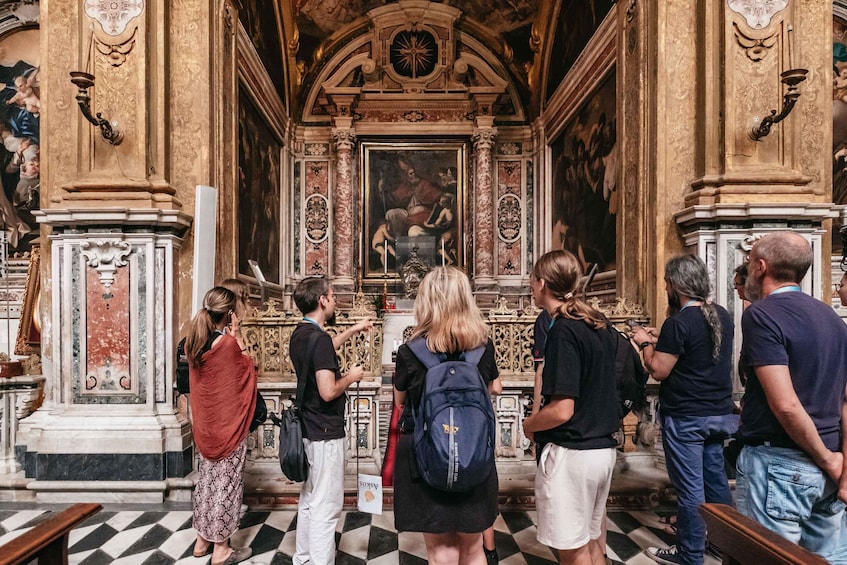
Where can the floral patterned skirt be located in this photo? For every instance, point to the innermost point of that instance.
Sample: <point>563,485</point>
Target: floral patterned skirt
<point>218,494</point>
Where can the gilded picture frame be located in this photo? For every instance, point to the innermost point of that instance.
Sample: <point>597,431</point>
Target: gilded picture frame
<point>414,200</point>
<point>28,341</point>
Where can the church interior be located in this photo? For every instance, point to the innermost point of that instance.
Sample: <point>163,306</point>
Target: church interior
<point>368,141</point>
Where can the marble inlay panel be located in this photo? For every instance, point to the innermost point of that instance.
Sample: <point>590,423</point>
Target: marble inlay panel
<point>316,181</point>
<point>298,191</point>
<point>159,323</point>
<point>509,217</point>
<point>107,369</point>
<point>141,296</point>
<point>77,290</point>
<point>530,213</point>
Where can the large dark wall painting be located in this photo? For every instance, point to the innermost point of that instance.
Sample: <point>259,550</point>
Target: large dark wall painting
<point>585,173</point>
<point>576,24</point>
<point>20,110</point>
<point>414,198</point>
<point>839,121</point>
<point>259,154</point>
<point>260,22</point>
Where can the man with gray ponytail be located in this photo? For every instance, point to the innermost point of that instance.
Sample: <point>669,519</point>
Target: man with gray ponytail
<point>692,359</point>
<point>790,476</point>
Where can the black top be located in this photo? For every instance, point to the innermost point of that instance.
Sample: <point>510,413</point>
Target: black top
<point>698,385</point>
<point>321,420</point>
<point>410,373</point>
<point>539,336</point>
<point>799,331</point>
<point>579,362</point>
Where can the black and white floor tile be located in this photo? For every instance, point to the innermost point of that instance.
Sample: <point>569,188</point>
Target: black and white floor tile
<point>159,535</point>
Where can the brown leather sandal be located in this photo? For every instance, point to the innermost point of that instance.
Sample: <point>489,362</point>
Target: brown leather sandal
<point>237,556</point>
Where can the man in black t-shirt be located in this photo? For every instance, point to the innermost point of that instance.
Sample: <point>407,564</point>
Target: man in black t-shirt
<point>312,353</point>
<point>795,355</point>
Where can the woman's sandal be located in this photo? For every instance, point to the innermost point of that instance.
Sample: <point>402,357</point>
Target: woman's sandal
<point>209,550</point>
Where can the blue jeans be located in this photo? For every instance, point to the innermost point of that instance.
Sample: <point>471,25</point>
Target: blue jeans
<point>786,492</point>
<point>694,456</point>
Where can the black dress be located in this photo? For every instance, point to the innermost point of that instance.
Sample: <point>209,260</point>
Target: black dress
<point>417,506</point>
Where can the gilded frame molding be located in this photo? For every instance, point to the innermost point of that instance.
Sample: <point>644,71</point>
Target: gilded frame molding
<point>28,341</point>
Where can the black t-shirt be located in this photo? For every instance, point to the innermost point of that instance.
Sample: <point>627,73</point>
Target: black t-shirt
<point>539,336</point>
<point>311,350</point>
<point>803,333</point>
<point>579,362</point>
<point>410,373</point>
<point>698,385</point>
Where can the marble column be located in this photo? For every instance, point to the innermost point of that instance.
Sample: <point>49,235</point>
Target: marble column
<point>483,208</point>
<point>342,210</point>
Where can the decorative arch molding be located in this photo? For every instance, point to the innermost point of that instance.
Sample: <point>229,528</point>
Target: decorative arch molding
<point>465,77</point>
<point>839,9</point>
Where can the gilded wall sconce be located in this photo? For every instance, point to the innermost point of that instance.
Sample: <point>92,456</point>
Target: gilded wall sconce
<point>110,131</point>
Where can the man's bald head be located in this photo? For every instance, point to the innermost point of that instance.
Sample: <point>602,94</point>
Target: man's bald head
<point>787,254</point>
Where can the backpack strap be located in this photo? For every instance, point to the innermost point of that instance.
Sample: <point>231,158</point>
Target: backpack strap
<point>301,382</point>
<point>430,359</point>
<point>424,355</point>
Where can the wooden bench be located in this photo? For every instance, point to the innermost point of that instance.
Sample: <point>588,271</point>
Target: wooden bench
<point>744,541</point>
<point>48,541</point>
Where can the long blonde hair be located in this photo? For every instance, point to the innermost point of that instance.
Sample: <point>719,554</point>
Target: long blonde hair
<point>560,270</point>
<point>447,314</point>
<point>217,304</point>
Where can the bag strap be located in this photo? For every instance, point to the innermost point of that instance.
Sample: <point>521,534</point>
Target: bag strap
<point>301,382</point>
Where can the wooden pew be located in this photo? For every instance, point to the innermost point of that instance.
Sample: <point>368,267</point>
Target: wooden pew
<point>746,542</point>
<point>48,541</point>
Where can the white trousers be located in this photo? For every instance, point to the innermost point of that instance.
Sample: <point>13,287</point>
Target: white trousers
<point>320,504</point>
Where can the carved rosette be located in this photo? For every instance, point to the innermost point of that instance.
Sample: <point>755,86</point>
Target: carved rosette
<point>343,202</point>
<point>483,139</point>
<point>105,256</point>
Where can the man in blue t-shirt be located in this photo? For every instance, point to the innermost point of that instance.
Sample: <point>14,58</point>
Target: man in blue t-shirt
<point>795,355</point>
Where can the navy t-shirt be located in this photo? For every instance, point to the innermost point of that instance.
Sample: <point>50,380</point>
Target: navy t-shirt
<point>698,385</point>
<point>321,420</point>
<point>803,333</point>
<point>579,362</point>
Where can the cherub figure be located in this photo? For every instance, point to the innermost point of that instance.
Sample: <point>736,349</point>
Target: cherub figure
<point>26,96</point>
<point>839,84</point>
<point>381,242</point>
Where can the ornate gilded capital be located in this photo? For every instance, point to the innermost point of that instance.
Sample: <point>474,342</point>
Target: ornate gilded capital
<point>344,138</point>
<point>106,256</point>
<point>483,138</point>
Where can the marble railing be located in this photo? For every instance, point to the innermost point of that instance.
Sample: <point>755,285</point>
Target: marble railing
<point>267,333</point>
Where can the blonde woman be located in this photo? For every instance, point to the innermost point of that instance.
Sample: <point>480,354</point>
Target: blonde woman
<point>223,399</point>
<point>452,523</point>
<point>579,415</point>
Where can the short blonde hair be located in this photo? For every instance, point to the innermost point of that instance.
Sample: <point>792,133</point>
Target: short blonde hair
<point>447,314</point>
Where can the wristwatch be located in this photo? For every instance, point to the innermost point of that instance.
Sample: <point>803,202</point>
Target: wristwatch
<point>644,345</point>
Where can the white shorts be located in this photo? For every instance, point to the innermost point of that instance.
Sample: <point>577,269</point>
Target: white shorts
<point>571,487</point>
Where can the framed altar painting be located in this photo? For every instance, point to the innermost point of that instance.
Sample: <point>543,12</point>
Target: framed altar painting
<point>414,203</point>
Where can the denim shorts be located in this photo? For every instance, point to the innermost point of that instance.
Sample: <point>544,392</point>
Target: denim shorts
<point>782,489</point>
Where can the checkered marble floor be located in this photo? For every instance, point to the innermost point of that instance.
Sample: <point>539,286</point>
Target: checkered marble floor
<point>159,535</point>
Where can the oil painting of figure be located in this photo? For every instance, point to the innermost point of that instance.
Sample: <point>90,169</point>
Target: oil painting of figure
<point>585,173</point>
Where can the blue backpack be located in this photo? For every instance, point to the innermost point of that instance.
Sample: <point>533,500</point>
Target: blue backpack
<point>454,422</point>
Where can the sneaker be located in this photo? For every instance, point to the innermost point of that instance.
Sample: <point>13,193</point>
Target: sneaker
<point>491,556</point>
<point>665,555</point>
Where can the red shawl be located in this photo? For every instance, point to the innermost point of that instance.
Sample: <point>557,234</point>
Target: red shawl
<point>223,399</point>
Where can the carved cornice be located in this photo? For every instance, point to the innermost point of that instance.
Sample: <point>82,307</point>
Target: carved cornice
<point>106,256</point>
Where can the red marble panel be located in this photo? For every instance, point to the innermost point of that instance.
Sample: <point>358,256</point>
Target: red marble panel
<point>508,178</point>
<point>107,316</point>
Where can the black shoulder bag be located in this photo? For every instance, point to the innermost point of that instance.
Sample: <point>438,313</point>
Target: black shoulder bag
<point>292,452</point>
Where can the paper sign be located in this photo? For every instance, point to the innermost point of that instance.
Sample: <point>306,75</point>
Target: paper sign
<point>370,494</point>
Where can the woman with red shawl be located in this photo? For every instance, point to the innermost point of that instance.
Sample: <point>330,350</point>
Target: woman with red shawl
<point>222,379</point>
